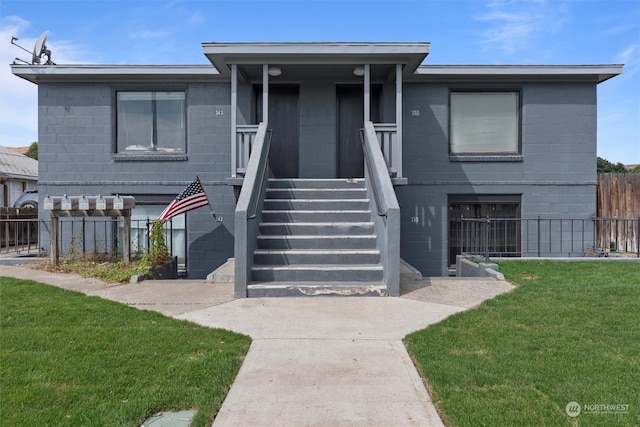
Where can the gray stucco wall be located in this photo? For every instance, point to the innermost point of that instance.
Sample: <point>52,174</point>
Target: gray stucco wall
<point>76,157</point>
<point>556,175</point>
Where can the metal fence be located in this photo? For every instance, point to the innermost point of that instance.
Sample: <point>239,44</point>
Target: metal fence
<point>20,236</point>
<point>546,237</point>
<point>77,236</point>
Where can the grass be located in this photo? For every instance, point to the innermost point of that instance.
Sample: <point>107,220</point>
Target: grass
<point>569,332</point>
<point>71,360</point>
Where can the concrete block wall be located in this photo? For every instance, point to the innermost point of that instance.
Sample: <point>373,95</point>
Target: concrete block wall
<point>555,176</point>
<point>76,149</point>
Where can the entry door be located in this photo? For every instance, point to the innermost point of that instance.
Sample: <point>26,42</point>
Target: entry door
<point>284,121</point>
<point>350,121</point>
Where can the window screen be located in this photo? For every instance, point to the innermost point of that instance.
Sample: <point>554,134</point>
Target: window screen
<point>151,122</point>
<point>484,122</point>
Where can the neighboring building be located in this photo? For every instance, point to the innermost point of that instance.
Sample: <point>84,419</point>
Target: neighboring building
<point>506,141</point>
<point>17,173</point>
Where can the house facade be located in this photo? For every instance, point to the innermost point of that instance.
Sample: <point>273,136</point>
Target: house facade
<point>272,128</point>
<point>17,174</point>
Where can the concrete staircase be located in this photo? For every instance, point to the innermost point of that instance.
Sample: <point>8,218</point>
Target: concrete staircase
<point>316,238</point>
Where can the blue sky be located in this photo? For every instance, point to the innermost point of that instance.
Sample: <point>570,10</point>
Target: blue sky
<point>460,32</point>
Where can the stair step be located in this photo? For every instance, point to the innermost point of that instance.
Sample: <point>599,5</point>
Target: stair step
<point>316,183</point>
<point>316,204</point>
<point>304,288</point>
<point>289,215</point>
<point>316,242</point>
<point>318,273</point>
<point>316,238</point>
<point>313,256</point>
<point>316,228</point>
<point>316,193</point>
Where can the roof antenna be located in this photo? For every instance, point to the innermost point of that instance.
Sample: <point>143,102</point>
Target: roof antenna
<point>39,51</point>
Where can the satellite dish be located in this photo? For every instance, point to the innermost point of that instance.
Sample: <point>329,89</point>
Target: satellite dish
<point>40,49</point>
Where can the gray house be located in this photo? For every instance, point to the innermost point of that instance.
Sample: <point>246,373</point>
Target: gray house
<point>325,162</point>
<point>17,173</point>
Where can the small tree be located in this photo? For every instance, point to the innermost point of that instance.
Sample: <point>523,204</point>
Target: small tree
<point>32,151</point>
<point>605,166</point>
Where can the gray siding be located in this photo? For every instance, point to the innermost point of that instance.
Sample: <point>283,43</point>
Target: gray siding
<point>556,175</point>
<point>76,157</point>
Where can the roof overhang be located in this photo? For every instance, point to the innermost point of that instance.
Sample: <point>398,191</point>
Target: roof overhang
<point>507,73</point>
<point>119,73</point>
<point>223,55</point>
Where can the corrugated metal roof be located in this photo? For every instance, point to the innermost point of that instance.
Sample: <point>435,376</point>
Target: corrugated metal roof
<point>17,166</point>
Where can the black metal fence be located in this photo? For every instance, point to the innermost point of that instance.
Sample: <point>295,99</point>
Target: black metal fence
<point>545,237</point>
<point>77,236</point>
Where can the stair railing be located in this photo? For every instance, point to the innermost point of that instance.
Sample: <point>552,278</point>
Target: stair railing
<point>387,220</point>
<point>249,208</point>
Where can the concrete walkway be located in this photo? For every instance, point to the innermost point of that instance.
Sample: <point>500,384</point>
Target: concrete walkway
<point>321,361</point>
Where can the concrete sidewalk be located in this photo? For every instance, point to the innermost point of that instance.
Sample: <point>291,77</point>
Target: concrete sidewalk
<point>319,361</point>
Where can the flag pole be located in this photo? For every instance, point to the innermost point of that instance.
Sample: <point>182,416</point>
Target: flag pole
<point>213,214</point>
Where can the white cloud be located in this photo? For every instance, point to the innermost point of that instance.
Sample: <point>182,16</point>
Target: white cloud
<point>629,57</point>
<point>18,97</point>
<point>513,25</point>
<point>150,34</point>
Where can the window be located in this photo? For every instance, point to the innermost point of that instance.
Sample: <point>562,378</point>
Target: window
<point>484,123</point>
<point>470,232</point>
<point>147,209</point>
<point>150,122</point>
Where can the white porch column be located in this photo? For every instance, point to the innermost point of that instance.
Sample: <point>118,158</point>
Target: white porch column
<point>234,119</point>
<point>398,146</point>
<point>367,93</point>
<point>265,93</point>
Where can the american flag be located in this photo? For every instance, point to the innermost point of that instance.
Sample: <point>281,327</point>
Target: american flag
<point>192,197</point>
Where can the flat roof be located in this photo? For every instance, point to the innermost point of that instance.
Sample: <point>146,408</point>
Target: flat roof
<point>597,73</point>
<point>315,60</point>
<point>222,55</point>
<point>98,73</point>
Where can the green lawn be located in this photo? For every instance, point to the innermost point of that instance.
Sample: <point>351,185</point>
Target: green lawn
<point>71,360</point>
<point>570,332</point>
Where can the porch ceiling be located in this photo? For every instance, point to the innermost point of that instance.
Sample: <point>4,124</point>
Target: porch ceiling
<point>341,73</point>
<point>339,58</point>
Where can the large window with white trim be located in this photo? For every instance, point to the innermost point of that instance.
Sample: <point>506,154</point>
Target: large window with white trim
<point>484,122</point>
<point>150,122</point>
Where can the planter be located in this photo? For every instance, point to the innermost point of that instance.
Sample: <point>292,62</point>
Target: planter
<point>165,271</point>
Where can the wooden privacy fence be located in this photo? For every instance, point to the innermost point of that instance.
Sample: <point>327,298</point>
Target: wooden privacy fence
<point>618,197</point>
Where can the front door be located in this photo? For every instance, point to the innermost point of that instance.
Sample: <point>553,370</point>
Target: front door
<point>284,122</point>
<point>350,121</point>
